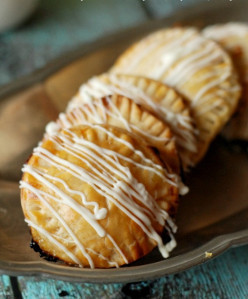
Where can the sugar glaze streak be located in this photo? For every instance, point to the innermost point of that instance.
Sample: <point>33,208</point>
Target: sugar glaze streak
<point>97,87</point>
<point>87,114</point>
<point>97,112</point>
<point>116,184</point>
<point>177,58</point>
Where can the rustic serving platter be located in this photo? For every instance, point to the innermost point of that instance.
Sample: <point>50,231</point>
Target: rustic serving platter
<point>211,218</point>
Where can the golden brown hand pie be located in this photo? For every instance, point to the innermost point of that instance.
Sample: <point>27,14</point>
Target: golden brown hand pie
<point>122,112</point>
<point>198,68</point>
<point>234,38</point>
<point>97,196</point>
<point>154,96</point>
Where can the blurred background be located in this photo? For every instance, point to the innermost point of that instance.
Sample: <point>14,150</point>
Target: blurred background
<point>33,32</point>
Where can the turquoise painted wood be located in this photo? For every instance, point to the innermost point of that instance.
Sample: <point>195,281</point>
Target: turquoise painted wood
<point>57,27</point>
<point>223,277</point>
<point>5,287</point>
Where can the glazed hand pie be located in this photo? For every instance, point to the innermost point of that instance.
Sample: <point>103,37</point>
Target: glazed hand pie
<point>96,196</point>
<point>124,113</point>
<point>152,95</point>
<point>234,38</point>
<point>196,67</point>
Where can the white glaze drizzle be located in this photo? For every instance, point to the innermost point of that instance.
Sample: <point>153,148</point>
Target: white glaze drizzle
<point>230,36</point>
<point>115,191</point>
<point>174,41</point>
<point>196,62</point>
<point>47,195</point>
<point>112,264</point>
<point>71,202</point>
<point>82,146</point>
<point>154,167</point>
<point>117,155</point>
<point>199,99</point>
<point>98,112</point>
<point>174,52</point>
<point>69,231</point>
<point>181,125</point>
<point>140,96</point>
<point>87,94</point>
<point>53,240</point>
<point>100,213</point>
<point>222,31</point>
<point>106,169</point>
<point>177,59</point>
<point>188,67</point>
<point>85,213</point>
<point>77,116</point>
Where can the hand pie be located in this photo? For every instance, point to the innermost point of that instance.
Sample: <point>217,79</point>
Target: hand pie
<point>122,112</point>
<point>154,96</point>
<point>96,196</point>
<point>234,38</point>
<point>196,67</point>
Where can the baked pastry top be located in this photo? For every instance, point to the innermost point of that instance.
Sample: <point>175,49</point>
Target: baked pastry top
<point>154,96</point>
<point>234,38</point>
<point>97,196</point>
<point>122,112</point>
<point>103,184</point>
<point>198,68</point>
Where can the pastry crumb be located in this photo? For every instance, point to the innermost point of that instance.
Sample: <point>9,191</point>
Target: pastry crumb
<point>208,254</point>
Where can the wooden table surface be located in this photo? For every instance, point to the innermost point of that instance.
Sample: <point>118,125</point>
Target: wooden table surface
<point>59,26</point>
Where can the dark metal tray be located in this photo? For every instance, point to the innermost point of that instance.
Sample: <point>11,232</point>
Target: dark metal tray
<point>211,218</point>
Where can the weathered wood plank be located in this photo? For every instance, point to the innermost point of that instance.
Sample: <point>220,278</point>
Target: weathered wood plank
<point>5,287</point>
<point>223,277</point>
<point>42,289</point>
<point>59,26</point>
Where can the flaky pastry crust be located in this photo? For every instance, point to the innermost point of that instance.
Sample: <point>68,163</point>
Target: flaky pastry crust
<point>96,196</point>
<point>233,37</point>
<point>198,68</point>
<point>122,112</point>
<point>154,96</point>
